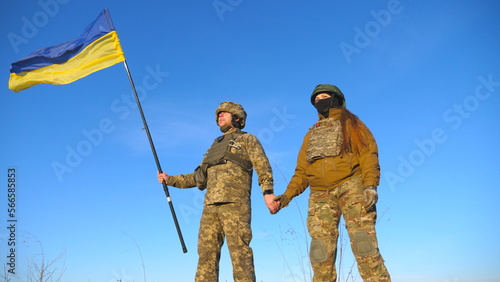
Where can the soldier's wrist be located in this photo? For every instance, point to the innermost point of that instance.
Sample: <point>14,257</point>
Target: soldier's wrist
<point>268,192</point>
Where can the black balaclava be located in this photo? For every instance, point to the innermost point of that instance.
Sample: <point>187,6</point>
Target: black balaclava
<point>323,106</point>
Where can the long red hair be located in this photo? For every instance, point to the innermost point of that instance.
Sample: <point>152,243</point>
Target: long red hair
<point>354,131</point>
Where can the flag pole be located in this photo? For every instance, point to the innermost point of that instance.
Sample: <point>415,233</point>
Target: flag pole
<point>165,187</point>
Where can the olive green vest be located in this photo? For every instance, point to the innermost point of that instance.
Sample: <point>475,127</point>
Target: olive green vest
<point>220,153</point>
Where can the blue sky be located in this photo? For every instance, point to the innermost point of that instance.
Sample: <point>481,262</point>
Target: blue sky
<point>422,75</point>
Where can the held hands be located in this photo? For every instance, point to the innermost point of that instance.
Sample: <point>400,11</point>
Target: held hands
<point>162,177</point>
<point>271,204</point>
<point>371,197</point>
<point>282,201</point>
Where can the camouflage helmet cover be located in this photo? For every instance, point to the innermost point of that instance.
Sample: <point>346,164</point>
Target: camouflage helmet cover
<point>233,108</point>
<point>327,88</point>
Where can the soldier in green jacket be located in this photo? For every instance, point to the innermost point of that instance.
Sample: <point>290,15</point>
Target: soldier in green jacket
<point>226,174</point>
<point>338,160</point>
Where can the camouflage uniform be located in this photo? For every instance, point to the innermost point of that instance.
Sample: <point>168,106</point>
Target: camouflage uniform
<point>227,209</point>
<point>337,181</point>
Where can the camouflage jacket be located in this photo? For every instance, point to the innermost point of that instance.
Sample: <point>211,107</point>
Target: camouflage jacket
<point>229,182</point>
<point>332,170</point>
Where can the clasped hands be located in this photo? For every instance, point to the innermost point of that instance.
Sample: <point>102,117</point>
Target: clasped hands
<point>276,203</point>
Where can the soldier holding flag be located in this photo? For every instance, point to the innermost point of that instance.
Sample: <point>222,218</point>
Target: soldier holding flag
<point>226,174</point>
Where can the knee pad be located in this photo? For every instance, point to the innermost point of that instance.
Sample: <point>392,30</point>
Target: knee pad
<point>362,244</point>
<point>318,251</point>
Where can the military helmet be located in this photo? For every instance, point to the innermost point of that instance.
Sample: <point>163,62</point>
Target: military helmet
<point>327,88</point>
<point>233,108</point>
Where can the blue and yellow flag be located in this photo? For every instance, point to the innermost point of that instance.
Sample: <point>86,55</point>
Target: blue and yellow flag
<point>98,47</point>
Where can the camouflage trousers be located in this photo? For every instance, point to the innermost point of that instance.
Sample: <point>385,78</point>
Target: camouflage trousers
<point>230,221</point>
<point>325,210</point>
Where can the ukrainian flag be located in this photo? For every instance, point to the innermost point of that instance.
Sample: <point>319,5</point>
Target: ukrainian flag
<point>98,47</point>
